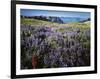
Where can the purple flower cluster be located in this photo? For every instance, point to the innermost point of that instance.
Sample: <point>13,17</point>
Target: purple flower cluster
<point>54,49</point>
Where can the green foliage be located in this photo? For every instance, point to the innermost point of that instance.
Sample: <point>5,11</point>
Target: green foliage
<point>82,26</point>
<point>26,21</point>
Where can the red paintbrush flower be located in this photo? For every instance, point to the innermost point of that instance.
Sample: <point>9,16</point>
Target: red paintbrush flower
<point>34,61</point>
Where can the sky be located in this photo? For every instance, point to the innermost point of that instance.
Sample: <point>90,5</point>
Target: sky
<point>32,12</point>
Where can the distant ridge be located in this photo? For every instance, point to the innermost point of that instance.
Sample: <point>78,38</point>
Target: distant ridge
<point>45,18</point>
<point>86,20</point>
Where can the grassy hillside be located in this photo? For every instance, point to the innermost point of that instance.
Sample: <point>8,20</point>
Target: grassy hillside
<point>26,21</point>
<point>81,26</point>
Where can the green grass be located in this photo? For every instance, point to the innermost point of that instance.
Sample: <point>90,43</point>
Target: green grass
<point>26,21</point>
<point>81,26</point>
